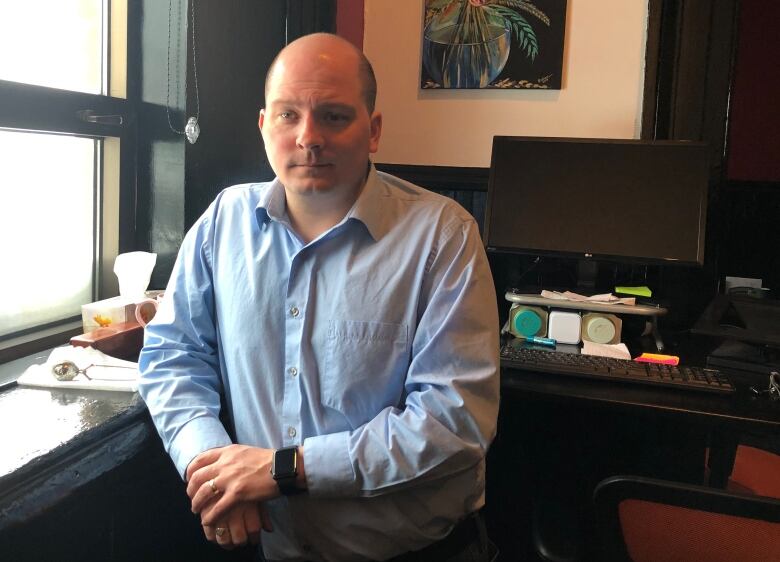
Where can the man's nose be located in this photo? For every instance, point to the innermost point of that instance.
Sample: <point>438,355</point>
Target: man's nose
<point>310,135</point>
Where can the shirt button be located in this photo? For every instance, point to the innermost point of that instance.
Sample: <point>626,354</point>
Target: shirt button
<point>294,312</point>
<point>291,431</point>
<point>293,371</point>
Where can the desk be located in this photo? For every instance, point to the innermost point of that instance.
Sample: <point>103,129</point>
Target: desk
<point>554,446</point>
<point>724,417</point>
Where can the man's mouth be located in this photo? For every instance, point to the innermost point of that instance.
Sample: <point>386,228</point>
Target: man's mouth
<point>309,165</point>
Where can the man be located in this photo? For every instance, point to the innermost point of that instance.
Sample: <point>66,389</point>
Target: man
<point>346,320</point>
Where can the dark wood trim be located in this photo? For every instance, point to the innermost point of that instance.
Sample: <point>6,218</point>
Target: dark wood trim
<point>652,56</point>
<point>310,16</point>
<point>39,108</point>
<point>753,187</point>
<point>439,178</point>
<point>129,234</point>
<point>689,60</point>
<point>689,67</point>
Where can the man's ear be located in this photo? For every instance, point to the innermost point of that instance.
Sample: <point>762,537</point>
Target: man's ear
<point>260,119</point>
<point>376,132</point>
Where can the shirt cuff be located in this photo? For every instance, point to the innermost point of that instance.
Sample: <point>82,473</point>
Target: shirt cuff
<point>196,436</point>
<point>328,467</point>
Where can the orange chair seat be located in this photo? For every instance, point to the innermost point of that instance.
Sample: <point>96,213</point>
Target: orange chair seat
<point>756,471</point>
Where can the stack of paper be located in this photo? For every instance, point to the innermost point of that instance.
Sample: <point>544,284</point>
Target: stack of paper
<point>606,298</point>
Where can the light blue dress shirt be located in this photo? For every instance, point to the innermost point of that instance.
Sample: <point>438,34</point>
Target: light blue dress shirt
<point>374,346</point>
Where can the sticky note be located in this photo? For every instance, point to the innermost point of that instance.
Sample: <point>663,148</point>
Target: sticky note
<point>658,358</point>
<point>637,291</point>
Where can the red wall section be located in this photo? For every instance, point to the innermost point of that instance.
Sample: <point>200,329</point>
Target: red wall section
<point>754,130</point>
<point>349,21</point>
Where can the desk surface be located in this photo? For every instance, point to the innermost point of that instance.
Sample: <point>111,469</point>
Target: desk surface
<point>738,412</point>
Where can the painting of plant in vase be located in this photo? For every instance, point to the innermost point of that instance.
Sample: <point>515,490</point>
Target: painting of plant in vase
<point>493,44</point>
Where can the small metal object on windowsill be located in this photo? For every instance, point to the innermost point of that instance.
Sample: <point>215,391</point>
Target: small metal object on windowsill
<point>68,370</point>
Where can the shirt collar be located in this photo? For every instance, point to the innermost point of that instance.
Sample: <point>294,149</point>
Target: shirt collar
<point>272,204</point>
<point>369,209</point>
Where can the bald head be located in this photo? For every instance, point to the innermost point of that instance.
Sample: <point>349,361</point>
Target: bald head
<point>329,45</point>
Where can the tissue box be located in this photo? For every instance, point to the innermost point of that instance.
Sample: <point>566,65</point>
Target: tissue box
<point>105,313</point>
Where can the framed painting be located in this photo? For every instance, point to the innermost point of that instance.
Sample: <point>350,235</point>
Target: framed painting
<point>506,44</point>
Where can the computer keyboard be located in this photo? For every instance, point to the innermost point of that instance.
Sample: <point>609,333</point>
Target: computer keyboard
<point>621,370</point>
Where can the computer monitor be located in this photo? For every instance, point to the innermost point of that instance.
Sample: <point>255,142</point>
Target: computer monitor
<point>633,201</point>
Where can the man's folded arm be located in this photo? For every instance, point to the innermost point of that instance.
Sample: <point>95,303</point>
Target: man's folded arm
<point>179,365</point>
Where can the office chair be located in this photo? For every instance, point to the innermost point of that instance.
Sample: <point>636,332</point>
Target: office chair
<point>647,520</point>
<point>756,471</point>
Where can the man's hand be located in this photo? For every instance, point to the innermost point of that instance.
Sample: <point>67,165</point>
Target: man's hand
<point>241,525</point>
<point>219,479</point>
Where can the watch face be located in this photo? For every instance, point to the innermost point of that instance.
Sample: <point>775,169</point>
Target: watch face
<point>285,464</point>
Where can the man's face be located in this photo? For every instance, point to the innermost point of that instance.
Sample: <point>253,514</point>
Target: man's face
<point>315,126</point>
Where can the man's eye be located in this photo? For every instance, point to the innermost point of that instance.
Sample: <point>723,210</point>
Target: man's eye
<point>336,117</point>
<point>286,115</point>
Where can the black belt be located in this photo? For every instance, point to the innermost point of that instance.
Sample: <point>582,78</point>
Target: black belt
<point>466,532</point>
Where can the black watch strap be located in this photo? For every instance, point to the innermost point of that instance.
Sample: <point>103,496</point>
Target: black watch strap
<point>287,486</point>
<point>285,470</point>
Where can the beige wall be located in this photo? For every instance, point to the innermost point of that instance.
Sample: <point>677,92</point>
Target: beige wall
<point>601,95</point>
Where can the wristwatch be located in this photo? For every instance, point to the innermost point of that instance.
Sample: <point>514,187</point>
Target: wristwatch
<point>285,470</point>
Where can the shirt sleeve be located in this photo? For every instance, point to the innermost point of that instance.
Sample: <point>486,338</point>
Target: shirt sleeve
<point>449,415</point>
<point>179,364</point>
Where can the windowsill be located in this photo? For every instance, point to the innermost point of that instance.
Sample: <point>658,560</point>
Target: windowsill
<point>55,441</point>
<point>12,370</point>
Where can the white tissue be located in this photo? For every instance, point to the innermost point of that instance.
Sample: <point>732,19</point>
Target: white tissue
<point>104,369</point>
<point>134,271</point>
<point>616,350</point>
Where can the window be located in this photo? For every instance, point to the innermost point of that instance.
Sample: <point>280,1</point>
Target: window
<point>63,132</point>
<point>64,49</point>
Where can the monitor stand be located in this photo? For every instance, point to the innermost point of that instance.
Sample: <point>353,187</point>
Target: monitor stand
<point>651,312</point>
<point>587,273</point>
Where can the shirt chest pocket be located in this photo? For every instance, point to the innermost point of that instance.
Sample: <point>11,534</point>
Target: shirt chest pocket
<point>365,367</point>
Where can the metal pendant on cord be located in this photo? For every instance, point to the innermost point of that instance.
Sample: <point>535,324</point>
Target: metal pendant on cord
<point>192,128</point>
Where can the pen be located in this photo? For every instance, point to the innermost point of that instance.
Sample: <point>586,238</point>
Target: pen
<point>548,342</point>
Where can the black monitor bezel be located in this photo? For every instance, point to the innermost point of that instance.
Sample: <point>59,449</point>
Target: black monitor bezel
<point>640,260</point>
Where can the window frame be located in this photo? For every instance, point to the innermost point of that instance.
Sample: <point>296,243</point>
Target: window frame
<point>41,109</point>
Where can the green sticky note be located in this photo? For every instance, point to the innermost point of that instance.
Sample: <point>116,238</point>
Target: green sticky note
<point>637,291</point>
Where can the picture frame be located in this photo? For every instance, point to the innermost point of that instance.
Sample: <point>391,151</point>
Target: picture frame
<point>499,44</point>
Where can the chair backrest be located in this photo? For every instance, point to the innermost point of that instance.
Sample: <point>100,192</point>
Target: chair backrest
<point>648,520</point>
